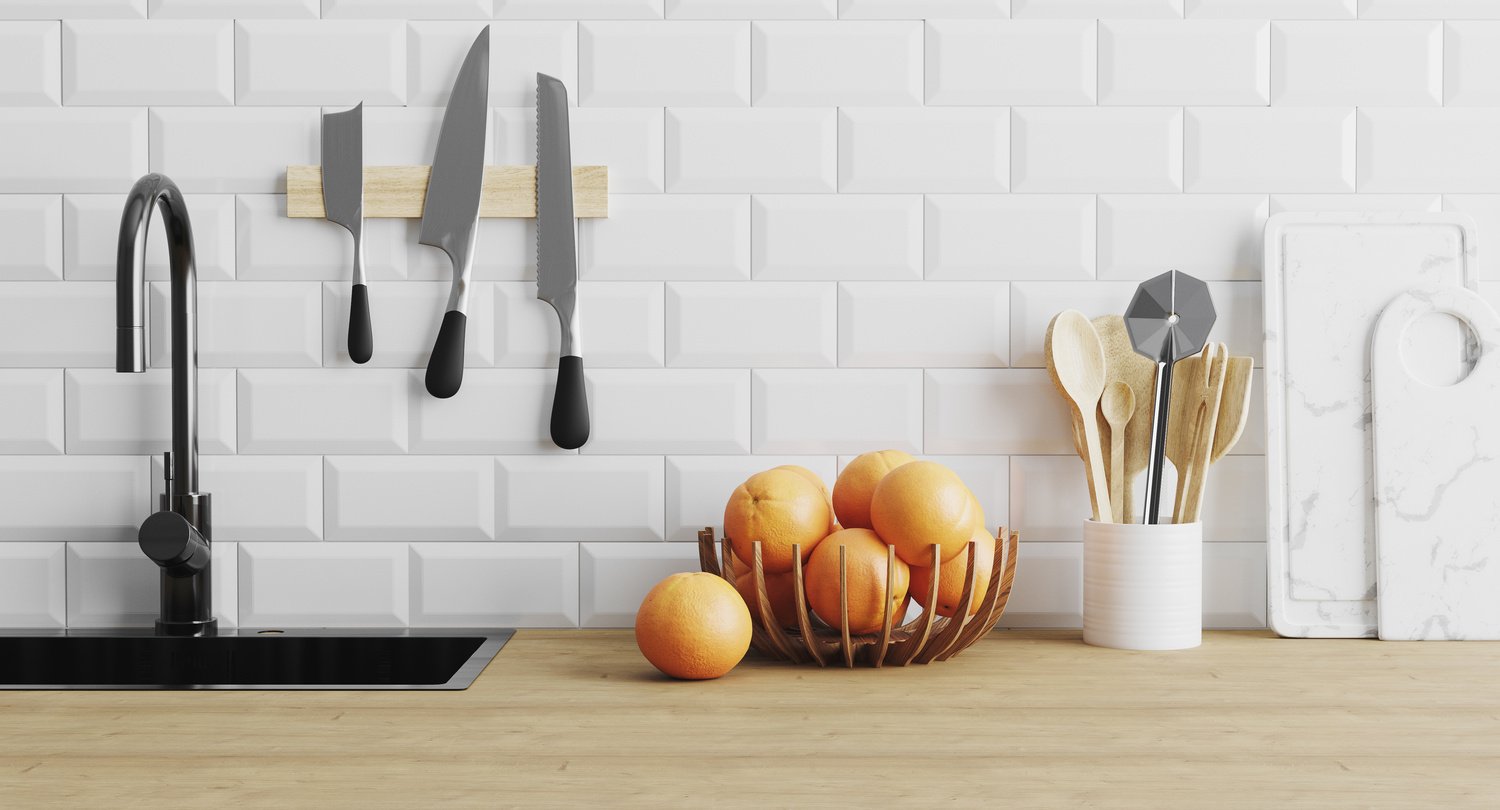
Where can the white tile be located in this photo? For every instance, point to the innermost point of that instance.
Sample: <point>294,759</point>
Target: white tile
<point>1270,149</point>
<point>1051,592</point>
<point>323,410</point>
<point>1356,202</point>
<point>31,227</point>
<point>230,9</point>
<point>288,585</point>
<point>1011,61</point>
<point>826,64</point>
<point>759,150</point>
<point>1427,150</point>
<point>258,498</point>
<point>33,585</point>
<point>615,577</point>
<point>274,324</point>
<point>1124,149</point>
<point>106,62</point>
<point>39,497</point>
<point>1271,9</point>
<point>1176,62</point>
<point>91,233</point>
<point>837,410</point>
<point>320,62</point>
<point>271,246</point>
<point>621,325</point>
<point>506,250</point>
<point>434,52</point>
<point>629,140</point>
<point>1234,501</point>
<point>1089,9</point>
<point>30,63</point>
<point>1010,237</point>
<point>667,237</point>
<point>109,412</point>
<point>494,585</point>
<point>232,150</point>
<point>409,498</point>
<point>759,323</point>
<point>405,317</point>
<point>1365,63</point>
<point>224,576</point>
<point>578,9</point>
<point>1253,441</point>
<point>496,411</point>
<point>752,9</point>
<point>1211,236</point>
<point>111,585</point>
<point>398,136</point>
<point>410,9</point>
<point>1049,498</point>
<point>1234,585</point>
<point>32,401</point>
<point>994,411</point>
<point>669,411</point>
<point>1485,209</point>
<point>1241,323</point>
<point>817,237</point>
<point>655,64</point>
<point>919,9</point>
<point>935,149</point>
<point>520,50</point>
<point>1471,64</point>
<point>50,324</point>
<point>572,498</point>
<point>699,486</point>
<point>911,324</point>
<point>1428,9</point>
<point>58,149</point>
<point>54,9</point>
<point>1034,303</point>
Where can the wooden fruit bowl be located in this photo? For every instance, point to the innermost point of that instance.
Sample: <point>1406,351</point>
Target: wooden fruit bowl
<point>925,639</point>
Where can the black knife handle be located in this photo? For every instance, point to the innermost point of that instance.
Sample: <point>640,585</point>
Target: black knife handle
<point>445,369</point>
<point>361,341</point>
<point>570,405</point>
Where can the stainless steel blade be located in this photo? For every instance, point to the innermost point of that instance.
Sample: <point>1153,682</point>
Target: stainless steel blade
<point>450,218</point>
<point>556,237</point>
<point>343,167</point>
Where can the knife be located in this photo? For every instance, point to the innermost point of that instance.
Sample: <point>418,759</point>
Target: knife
<point>450,218</point>
<point>557,257</point>
<point>343,202</point>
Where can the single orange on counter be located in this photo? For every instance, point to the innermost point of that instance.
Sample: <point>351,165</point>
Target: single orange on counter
<point>856,485</point>
<point>693,626</point>
<point>951,576</point>
<point>780,589</point>
<point>778,508</point>
<point>921,504</point>
<point>865,573</point>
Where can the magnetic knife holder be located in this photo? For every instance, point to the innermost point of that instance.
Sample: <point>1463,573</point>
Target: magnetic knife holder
<point>401,191</point>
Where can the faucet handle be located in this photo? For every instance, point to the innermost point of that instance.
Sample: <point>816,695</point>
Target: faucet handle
<point>172,543</point>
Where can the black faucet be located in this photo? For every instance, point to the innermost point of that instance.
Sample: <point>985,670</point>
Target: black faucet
<point>177,537</point>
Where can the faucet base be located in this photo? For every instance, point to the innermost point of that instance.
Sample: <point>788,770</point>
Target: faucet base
<point>205,627</point>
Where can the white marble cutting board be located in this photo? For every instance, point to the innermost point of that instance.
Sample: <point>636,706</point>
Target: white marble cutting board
<point>1437,478</point>
<point>1327,278</point>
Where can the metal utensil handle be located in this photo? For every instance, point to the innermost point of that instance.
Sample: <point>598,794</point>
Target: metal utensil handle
<point>1163,393</point>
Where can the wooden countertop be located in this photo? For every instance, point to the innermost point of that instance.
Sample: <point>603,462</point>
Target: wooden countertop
<point>1022,719</point>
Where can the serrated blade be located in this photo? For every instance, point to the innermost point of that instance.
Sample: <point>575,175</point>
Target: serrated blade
<point>556,245</point>
<point>452,208</point>
<point>343,166</point>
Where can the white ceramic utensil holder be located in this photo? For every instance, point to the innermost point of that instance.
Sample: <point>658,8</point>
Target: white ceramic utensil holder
<point>1143,585</point>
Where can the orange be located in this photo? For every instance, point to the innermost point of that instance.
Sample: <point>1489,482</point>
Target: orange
<point>693,626</point>
<point>856,484</point>
<point>823,488</point>
<point>779,589</point>
<point>951,577</point>
<point>778,508</point>
<point>923,503</point>
<point>865,570</point>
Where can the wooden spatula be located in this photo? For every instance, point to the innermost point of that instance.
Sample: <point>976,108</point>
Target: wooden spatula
<point>1189,391</point>
<point>1203,441</point>
<point>1234,408</point>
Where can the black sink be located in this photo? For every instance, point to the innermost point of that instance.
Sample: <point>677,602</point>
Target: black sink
<point>248,659</point>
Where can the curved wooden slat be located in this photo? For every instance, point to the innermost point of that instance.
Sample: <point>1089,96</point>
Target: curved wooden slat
<point>903,652</point>
<point>1008,582</point>
<point>844,645</point>
<point>767,616</point>
<point>976,625</point>
<point>943,640</point>
<point>707,555</point>
<point>877,653</point>
<point>810,639</point>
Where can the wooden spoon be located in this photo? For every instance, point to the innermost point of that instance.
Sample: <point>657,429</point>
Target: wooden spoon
<point>1077,368</point>
<point>1234,408</point>
<point>1122,363</point>
<point>1118,405</point>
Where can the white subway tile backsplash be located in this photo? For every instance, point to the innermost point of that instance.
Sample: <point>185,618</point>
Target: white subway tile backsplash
<point>106,62</point>
<point>230,150</point>
<point>1049,497</point>
<point>31,228</point>
<point>494,585</point>
<point>1485,209</point>
<point>815,237</point>
<point>1428,9</point>
<point>111,585</point>
<point>54,9</point>
<point>655,64</point>
<point>1271,9</point>
<point>897,323</point>
<point>837,410</point>
<point>1427,150</point>
<point>112,413</point>
<point>578,9</point>
<point>629,140</point>
<point>257,498</point>
<point>1175,62</point>
<point>434,52</point>
<point>667,238</point>
<point>579,498</point>
<point>39,497</point>
<point>760,150</point>
<point>267,324</point>
<point>826,64</point>
<point>405,318</point>
<point>1034,303</point>
<point>1088,9</point>
<point>620,325</point>
<point>1271,149</point>
<point>933,149</point>
<point>409,498</point>
<point>398,136</point>
<point>1010,237</point>
<point>1471,64</point>
<point>288,585</point>
<point>752,9</point>
<point>323,410</point>
<point>271,246</point>
<point>1365,64</point>
<point>32,401</point>
<point>91,229</point>
<point>33,585</point>
<point>1234,502</point>
<point>30,63</point>
<point>615,577</point>
<point>919,9</point>
<point>1356,202</point>
<point>520,50</point>
<point>230,9</point>
<point>1089,149</point>
<point>1211,236</point>
<point>283,62</point>
<point>58,149</point>
<point>1234,585</point>
<point>753,324</point>
<point>994,411</point>
<point>1051,593</point>
<point>498,411</point>
<point>49,324</point>
<point>410,9</point>
<point>1011,62</point>
<point>699,486</point>
<point>669,410</point>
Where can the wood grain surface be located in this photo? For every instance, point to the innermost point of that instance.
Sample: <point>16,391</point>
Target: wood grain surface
<point>401,191</point>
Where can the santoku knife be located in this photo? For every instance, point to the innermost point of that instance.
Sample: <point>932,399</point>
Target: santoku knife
<point>451,217</point>
<point>557,257</point>
<point>343,202</point>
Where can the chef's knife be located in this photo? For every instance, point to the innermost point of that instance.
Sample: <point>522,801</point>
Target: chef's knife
<point>557,257</point>
<point>343,202</point>
<point>451,217</point>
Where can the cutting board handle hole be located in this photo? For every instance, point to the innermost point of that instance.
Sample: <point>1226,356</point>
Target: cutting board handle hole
<point>1439,348</point>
